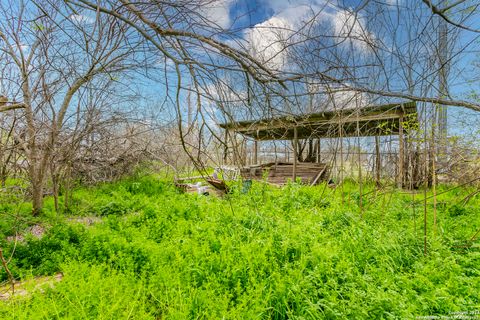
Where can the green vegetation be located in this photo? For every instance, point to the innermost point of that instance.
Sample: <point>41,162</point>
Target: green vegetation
<point>295,253</point>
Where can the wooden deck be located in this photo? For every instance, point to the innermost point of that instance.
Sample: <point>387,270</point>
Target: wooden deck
<point>279,173</point>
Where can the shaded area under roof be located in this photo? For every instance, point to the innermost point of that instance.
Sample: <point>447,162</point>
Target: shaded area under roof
<point>377,120</point>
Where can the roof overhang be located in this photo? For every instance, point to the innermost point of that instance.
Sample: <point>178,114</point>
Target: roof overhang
<point>378,120</point>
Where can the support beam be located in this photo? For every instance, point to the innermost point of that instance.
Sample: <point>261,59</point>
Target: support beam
<point>401,153</point>
<point>319,150</point>
<point>295,155</point>
<point>244,152</point>
<point>378,163</point>
<point>255,152</point>
<point>235,151</point>
<point>311,152</point>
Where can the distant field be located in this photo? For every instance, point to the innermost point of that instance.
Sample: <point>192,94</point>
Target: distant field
<point>139,249</point>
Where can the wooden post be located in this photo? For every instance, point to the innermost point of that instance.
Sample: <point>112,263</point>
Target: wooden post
<point>235,151</point>
<point>340,171</point>
<point>360,176</point>
<point>378,163</point>
<point>244,152</point>
<point>401,153</point>
<point>319,150</point>
<point>225,149</point>
<point>310,150</point>
<point>255,151</point>
<point>295,155</point>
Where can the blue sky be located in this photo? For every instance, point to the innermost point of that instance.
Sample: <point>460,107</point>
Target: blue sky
<point>248,19</point>
<point>248,14</point>
<point>245,14</point>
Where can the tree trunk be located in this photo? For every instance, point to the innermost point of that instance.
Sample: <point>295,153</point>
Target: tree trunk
<point>3,176</point>
<point>55,184</point>
<point>37,198</point>
<point>68,187</point>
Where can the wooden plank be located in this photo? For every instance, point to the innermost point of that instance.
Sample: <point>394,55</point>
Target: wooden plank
<point>280,173</point>
<point>318,176</point>
<point>218,184</point>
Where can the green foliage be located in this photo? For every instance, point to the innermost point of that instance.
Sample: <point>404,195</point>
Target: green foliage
<point>44,256</point>
<point>86,292</point>
<point>295,253</point>
<point>457,210</point>
<point>113,208</point>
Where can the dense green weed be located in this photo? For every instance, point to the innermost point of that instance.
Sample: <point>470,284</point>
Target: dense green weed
<point>266,253</point>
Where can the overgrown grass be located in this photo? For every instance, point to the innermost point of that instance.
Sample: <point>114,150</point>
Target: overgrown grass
<point>294,253</point>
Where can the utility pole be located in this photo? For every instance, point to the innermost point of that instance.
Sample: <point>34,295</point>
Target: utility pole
<point>443,71</point>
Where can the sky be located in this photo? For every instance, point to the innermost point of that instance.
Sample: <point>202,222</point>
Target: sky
<point>248,13</point>
<point>259,22</point>
<point>251,17</point>
<point>250,20</point>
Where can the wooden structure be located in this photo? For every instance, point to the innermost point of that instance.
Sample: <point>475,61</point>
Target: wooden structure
<point>183,185</point>
<point>279,173</point>
<point>376,120</point>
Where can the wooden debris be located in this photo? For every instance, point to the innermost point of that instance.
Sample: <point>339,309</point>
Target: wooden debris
<point>219,185</point>
<point>279,173</point>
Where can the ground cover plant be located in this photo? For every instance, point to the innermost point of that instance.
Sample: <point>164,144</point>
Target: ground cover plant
<point>299,252</point>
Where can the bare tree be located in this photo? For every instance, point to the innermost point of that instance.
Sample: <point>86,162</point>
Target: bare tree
<point>371,52</point>
<point>51,57</point>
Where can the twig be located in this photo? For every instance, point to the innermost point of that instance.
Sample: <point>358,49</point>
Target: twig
<point>5,266</point>
<point>475,235</point>
<point>468,197</point>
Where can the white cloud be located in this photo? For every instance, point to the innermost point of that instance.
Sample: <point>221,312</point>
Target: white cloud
<point>268,40</point>
<point>345,100</point>
<point>336,98</point>
<point>280,5</point>
<point>81,19</point>
<point>218,12</point>
<point>350,28</point>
